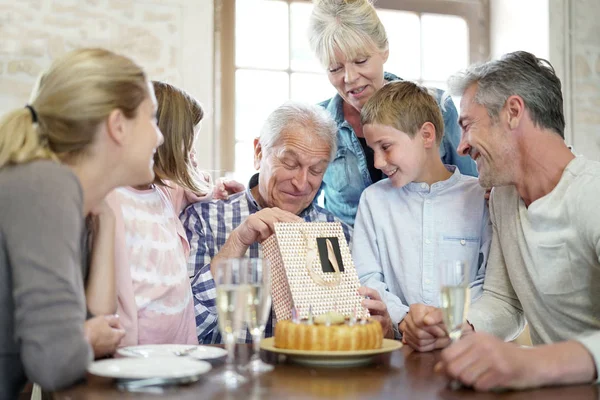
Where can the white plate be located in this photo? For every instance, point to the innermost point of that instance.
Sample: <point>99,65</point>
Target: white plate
<point>154,367</point>
<point>332,358</point>
<point>166,350</point>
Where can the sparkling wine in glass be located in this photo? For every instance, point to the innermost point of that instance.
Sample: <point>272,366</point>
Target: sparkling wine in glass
<point>454,302</point>
<point>259,308</point>
<point>455,296</point>
<point>232,294</point>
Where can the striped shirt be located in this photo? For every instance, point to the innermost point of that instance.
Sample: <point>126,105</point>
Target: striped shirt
<point>208,225</point>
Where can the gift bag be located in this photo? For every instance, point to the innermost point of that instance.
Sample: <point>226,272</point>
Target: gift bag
<point>311,268</point>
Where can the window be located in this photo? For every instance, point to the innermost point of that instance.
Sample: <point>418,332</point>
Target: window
<point>429,40</point>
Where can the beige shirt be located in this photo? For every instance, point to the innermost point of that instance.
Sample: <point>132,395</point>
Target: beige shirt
<point>544,263</point>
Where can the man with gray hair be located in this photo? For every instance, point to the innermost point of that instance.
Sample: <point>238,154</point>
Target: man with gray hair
<point>544,261</point>
<point>295,146</point>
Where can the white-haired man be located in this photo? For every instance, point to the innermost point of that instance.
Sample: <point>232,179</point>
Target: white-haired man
<point>292,153</point>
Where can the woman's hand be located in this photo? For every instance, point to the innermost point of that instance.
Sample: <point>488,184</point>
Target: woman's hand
<point>103,333</point>
<point>101,214</point>
<point>226,187</point>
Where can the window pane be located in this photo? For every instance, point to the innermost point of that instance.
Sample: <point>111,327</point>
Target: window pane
<point>445,45</point>
<point>257,94</point>
<point>403,31</point>
<point>303,59</point>
<point>444,87</point>
<point>312,88</point>
<point>437,85</point>
<point>244,162</point>
<point>258,43</point>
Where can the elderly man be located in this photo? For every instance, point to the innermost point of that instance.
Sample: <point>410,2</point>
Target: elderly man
<point>295,147</point>
<point>544,262</point>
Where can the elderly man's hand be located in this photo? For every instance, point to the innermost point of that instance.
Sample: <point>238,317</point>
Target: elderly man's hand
<point>259,226</point>
<point>378,310</point>
<point>256,228</point>
<point>423,328</point>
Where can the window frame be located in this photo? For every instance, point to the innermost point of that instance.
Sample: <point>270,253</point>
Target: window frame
<point>475,13</point>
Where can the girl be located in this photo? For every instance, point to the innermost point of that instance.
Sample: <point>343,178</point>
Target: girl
<point>154,293</point>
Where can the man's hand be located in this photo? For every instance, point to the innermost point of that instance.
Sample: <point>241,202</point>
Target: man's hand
<point>259,226</point>
<point>103,333</point>
<point>256,228</point>
<point>378,310</point>
<point>486,362</point>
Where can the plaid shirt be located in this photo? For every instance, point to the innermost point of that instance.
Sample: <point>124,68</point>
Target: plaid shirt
<point>208,226</point>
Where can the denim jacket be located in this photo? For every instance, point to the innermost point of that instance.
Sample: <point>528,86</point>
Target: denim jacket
<point>347,175</point>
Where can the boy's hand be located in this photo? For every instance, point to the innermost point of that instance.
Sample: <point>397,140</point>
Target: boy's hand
<point>378,310</point>
<point>423,328</point>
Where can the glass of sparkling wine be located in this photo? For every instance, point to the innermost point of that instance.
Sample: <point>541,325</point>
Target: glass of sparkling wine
<point>231,279</point>
<point>455,296</point>
<point>259,308</point>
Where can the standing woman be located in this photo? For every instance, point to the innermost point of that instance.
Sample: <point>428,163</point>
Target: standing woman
<point>350,41</point>
<point>89,128</point>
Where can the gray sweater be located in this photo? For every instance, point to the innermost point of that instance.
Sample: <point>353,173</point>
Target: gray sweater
<point>544,263</point>
<point>42,301</point>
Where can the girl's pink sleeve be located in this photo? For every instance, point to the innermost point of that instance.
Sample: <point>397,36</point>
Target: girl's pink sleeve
<point>126,306</point>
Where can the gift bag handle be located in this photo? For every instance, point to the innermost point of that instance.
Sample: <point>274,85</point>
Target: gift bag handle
<point>312,253</point>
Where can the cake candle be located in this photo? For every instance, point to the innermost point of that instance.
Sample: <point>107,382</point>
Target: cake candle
<point>352,321</point>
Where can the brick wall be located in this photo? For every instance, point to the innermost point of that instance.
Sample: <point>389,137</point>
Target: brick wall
<point>171,39</point>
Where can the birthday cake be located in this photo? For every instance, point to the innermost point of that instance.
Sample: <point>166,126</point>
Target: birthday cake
<point>328,332</point>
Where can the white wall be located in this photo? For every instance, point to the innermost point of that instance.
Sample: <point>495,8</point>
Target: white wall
<point>583,54</point>
<point>573,48</point>
<point>171,39</point>
<point>519,25</point>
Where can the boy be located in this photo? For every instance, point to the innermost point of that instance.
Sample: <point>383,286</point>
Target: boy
<point>424,213</point>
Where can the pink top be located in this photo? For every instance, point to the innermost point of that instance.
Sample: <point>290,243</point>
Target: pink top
<point>155,302</point>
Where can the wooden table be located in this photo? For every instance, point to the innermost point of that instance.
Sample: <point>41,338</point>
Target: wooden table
<point>403,374</point>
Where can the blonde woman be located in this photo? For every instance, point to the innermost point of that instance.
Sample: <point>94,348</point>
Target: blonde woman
<point>154,292</point>
<point>351,43</point>
<point>90,128</point>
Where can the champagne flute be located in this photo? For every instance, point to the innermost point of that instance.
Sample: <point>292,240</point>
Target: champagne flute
<point>232,293</point>
<point>455,296</point>
<point>259,309</point>
<point>455,300</point>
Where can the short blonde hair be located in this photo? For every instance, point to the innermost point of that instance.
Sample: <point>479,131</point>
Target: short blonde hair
<point>404,106</point>
<point>178,115</point>
<point>350,26</point>
<point>71,100</point>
